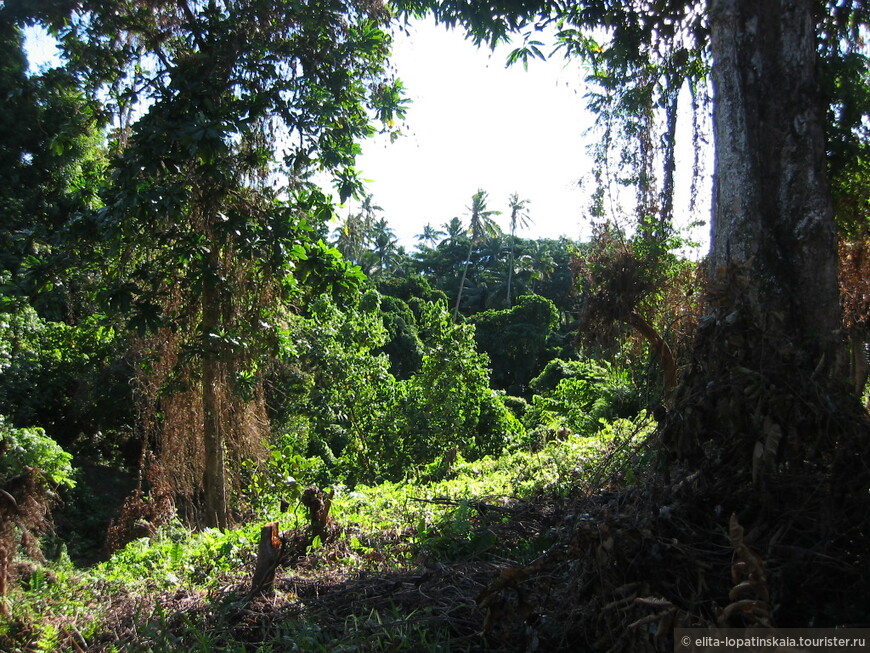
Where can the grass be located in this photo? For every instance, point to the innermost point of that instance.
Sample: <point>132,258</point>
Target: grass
<point>400,574</point>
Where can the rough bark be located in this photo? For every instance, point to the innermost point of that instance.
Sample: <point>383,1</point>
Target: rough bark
<point>763,375</point>
<point>773,213</point>
<point>759,429</point>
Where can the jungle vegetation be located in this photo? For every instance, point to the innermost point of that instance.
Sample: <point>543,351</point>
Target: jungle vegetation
<point>485,442</point>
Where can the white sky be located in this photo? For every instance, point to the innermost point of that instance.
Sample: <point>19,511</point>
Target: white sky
<point>475,124</point>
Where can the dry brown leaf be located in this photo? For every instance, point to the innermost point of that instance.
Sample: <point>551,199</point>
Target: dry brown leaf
<point>652,618</point>
<point>735,531</point>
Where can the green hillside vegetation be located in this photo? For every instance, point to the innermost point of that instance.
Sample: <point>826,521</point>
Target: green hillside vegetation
<point>232,420</point>
<point>367,584</point>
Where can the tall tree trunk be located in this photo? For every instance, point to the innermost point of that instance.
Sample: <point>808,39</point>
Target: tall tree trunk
<point>510,299</point>
<point>780,442</point>
<point>214,482</point>
<point>462,282</point>
<point>765,353</point>
<point>773,215</point>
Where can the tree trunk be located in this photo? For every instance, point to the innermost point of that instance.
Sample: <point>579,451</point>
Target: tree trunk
<point>860,366</point>
<point>4,570</point>
<point>510,299</point>
<point>269,554</point>
<point>771,435</point>
<point>773,214</point>
<point>462,282</point>
<point>214,482</point>
<point>765,354</point>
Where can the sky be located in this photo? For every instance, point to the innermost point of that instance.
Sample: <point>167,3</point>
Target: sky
<point>472,124</point>
<point>475,124</point>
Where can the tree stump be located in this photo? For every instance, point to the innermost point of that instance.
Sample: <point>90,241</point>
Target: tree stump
<point>269,555</point>
<point>318,504</point>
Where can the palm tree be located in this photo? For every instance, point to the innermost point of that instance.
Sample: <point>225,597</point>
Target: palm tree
<point>519,217</point>
<point>429,236</point>
<point>480,223</point>
<point>542,263</point>
<point>452,230</point>
<point>384,247</point>
<point>349,237</point>
<point>358,230</point>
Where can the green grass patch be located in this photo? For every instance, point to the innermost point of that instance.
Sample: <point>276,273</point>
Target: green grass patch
<point>467,514</point>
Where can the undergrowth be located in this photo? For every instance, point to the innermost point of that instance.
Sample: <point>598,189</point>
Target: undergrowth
<point>186,591</point>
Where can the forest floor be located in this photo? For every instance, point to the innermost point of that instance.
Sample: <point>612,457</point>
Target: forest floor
<point>580,545</point>
<point>434,566</point>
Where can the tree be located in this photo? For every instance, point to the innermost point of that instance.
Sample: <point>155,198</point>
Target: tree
<point>348,391</point>
<point>624,281</point>
<point>53,161</point>
<point>772,213</point>
<point>480,223</point>
<point>541,262</point>
<point>453,230</point>
<point>385,251</point>
<point>519,218</point>
<point>516,341</point>
<point>429,236</point>
<point>354,235</point>
<point>201,244</point>
<point>448,403</point>
<point>762,412</point>
<point>442,264</point>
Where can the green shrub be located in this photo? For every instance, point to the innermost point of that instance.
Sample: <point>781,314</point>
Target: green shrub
<point>30,448</point>
<point>73,381</point>
<point>447,404</point>
<point>579,395</point>
<point>282,476</point>
<point>364,423</point>
<point>517,405</point>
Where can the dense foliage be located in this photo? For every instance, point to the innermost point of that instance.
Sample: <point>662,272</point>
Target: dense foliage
<point>190,339</point>
<point>186,322</point>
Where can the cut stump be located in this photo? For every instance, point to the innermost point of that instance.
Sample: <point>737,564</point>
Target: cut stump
<point>269,556</point>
